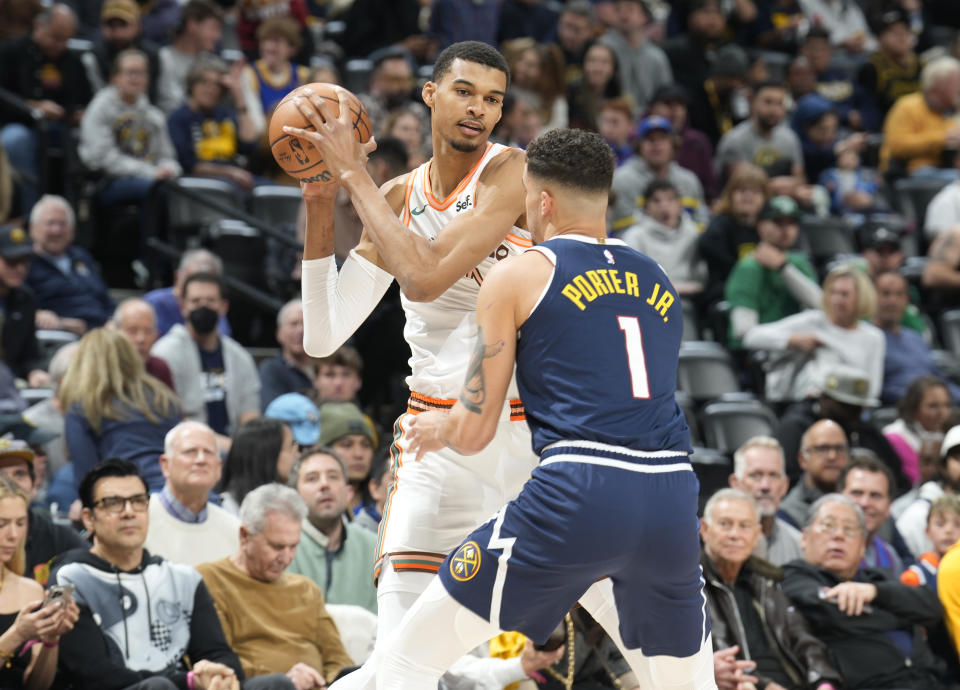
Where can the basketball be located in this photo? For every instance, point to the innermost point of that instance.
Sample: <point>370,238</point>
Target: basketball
<point>298,157</point>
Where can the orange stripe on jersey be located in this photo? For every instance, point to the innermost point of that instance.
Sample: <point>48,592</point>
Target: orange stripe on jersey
<point>406,197</point>
<point>519,241</point>
<point>396,457</point>
<point>445,204</point>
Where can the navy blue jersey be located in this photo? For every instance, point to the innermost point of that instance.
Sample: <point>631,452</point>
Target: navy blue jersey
<point>597,357</point>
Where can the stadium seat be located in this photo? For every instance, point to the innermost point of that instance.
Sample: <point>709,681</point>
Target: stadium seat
<point>241,247</point>
<point>950,330</point>
<point>188,216</point>
<point>705,370</point>
<point>713,469</point>
<point>728,424</point>
<point>912,196</point>
<point>276,204</point>
<point>826,238</point>
<point>691,325</point>
<point>356,75</point>
<point>50,341</point>
<point>688,407</point>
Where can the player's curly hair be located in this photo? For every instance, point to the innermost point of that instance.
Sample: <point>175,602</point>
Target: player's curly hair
<point>470,51</point>
<point>574,158</point>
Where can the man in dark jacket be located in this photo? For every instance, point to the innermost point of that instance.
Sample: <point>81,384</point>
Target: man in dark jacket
<point>869,621</point>
<point>139,614</point>
<point>18,338</point>
<point>748,612</point>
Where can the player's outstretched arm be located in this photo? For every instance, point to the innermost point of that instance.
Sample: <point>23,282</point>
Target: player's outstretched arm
<point>335,303</point>
<point>423,268</point>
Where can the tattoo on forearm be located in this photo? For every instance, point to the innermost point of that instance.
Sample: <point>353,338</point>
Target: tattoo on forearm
<point>474,392</point>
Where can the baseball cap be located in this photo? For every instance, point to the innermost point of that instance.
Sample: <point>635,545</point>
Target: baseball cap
<point>15,449</point>
<point>342,419</point>
<point>729,61</point>
<point>300,413</point>
<point>670,93</point>
<point>848,385</point>
<point>950,440</point>
<point>781,206</point>
<point>653,123</point>
<point>14,243</point>
<point>17,427</point>
<point>125,10</point>
<point>875,235</point>
<point>895,15</point>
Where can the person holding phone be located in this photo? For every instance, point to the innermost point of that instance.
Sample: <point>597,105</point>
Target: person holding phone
<point>31,625</point>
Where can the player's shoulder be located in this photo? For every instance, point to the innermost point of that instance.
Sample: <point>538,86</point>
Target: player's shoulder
<point>394,191</point>
<point>506,164</point>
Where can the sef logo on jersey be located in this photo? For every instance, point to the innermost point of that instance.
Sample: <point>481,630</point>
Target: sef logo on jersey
<point>463,205</point>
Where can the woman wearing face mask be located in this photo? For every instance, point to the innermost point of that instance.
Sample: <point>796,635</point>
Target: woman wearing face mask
<point>114,408</point>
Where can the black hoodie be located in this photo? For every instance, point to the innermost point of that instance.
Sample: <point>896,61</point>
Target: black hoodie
<point>138,624</point>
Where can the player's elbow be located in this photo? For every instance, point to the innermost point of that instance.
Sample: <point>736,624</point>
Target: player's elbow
<point>472,441</point>
<point>420,287</point>
<point>318,346</point>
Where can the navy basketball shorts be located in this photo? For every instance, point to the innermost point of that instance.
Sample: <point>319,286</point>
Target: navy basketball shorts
<point>581,518</point>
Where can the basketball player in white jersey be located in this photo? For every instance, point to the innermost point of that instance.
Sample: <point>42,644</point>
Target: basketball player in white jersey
<point>437,230</point>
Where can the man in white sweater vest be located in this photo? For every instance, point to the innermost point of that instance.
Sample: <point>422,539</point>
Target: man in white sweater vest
<point>184,526</point>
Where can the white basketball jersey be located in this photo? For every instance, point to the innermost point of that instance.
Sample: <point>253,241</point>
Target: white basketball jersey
<point>441,333</point>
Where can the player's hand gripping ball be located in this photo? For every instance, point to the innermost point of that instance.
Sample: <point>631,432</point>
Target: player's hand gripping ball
<point>297,155</point>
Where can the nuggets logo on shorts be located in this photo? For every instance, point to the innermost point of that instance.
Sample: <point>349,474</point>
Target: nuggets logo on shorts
<point>465,563</point>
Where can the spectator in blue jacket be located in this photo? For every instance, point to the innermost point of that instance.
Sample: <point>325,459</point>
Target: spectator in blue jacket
<point>69,291</point>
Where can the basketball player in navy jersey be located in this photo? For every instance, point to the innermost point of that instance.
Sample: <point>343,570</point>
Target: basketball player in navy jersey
<point>594,329</point>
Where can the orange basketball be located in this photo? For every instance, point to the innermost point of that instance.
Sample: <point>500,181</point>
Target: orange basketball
<point>298,157</point>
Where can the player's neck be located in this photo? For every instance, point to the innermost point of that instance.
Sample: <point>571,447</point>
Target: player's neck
<point>583,229</point>
<point>449,166</point>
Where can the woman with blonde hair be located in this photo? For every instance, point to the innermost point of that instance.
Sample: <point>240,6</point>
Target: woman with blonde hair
<point>839,333</point>
<point>732,234</point>
<point>29,632</point>
<point>114,409</point>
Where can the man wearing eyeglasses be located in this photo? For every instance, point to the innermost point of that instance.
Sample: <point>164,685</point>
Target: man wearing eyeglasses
<point>823,455</point>
<point>139,614</point>
<point>18,307</point>
<point>870,622</point>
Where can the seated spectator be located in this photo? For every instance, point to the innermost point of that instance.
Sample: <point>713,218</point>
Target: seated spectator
<point>120,30</point>
<point>411,127</point>
<point>39,69</point>
<point>138,640</point>
<point>758,471</point>
<point>339,376</point>
<point>777,25</point>
<point>643,66</point>
<point>291,370</point>
<point>765,140</point>
<point>333,552</point>
<point>693,149</point>
<point>135,318</point>
<point>948,577</point>
<point>907,355</point>
<point>831,80</point>
<point>521,121</point>
<point>253,14</point>
<point>538,68</point>
<point>197,32</point>
<point>391,86</point>
<point>721,103</point>
<point>46,415</point>
<point>823,455</point>
<point>732,234</point>
<point>615,125</point>
<point>816,123</point>
<point>943,531</point>
<point>843,399</point>
<point>29,635</point>
<point>519,18</point>
<point>869,483</point>
<point>773,282</point>
<point>276,621</point>
<point>45,539</point>
<point>669,236</point>
<point>853,189</point>
<point>692,51</point>
<point>350,435</point>
<point>379,485</point>
<point>16,427</point>
<point>21,353</point>
<point>845,21</point>
<point>133,156</point>
<point>70,292</point>
<point>758,618</point>
<point>880,246</point>
<point>379,24</point>
<point>912,522</point>
<point>274,75</point>
<point>943,212</point>
<point>817,339</point>
<point>892,71</point>
<point>299,413</point>
<point>917,433</point>
<point>920,126</point>
<point>263,451</point>
<point>654,161</point>
<point>185,526</point>
<point>165,300</point>
<point>868,620</point>
<point>600,82</point>
<point>214,375</point>
<point>210,138</point>
<point>114,409</point>
<point>575,29</point>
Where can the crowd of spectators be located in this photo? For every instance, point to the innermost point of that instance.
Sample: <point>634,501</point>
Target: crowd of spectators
<point>234,496</point>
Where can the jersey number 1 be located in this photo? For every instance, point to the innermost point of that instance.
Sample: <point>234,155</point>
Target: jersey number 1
<point>636,360</point>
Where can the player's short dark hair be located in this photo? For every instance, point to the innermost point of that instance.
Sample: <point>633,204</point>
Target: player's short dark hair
<point>868,461</point>
<point>111,467</point>
<point>203,277</point>
<point>470,51</point>
<point>660,186</point>
<point>573,158</point>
